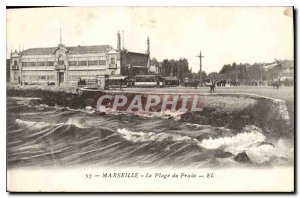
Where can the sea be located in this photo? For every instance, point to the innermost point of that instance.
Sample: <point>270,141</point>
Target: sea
<point>53,136</point>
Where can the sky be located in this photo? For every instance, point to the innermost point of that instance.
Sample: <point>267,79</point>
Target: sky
<point>223,34</point>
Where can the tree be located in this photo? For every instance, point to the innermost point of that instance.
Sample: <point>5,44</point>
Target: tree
<point>154,62</point>
<point>167,67</point>
<point>214,75</point>
<point>179,68</point>
<point>226,69</point>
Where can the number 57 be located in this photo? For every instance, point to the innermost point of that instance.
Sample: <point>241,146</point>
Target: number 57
<point>88,176</point>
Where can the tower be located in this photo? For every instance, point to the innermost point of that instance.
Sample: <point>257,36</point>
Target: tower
<point>60,39</point>
<point>148,53</point>
<point>148,46</point>
<point>123,40</point>
<point>14,67</point>
<point>119,41</point>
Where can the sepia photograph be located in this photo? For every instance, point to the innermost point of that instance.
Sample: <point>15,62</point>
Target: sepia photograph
<point>150,99</point>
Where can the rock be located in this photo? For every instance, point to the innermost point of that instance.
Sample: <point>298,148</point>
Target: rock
<point>242,158</point>
<point>224,155</point>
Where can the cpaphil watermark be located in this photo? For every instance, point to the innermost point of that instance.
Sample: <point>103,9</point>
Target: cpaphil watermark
<point>149,103</point>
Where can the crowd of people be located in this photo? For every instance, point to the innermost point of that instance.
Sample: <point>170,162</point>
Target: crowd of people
<point>211,83</point>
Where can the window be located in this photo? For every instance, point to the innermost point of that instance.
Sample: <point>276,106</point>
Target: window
<point>61,62</point>
<point>93,62</point>
<point>15,63</point>
<point>50,63</point>
<point>41,63</point>
<point>50,77</point>
<point>112,60</point>
<point>72,63</point>
<point>82,63</point>
<point>29,64</point>
<point>102,62</point>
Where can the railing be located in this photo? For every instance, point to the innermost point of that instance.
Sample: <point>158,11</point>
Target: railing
<point>112,66</point>
<point>15,67</point>
<point>59,67</point>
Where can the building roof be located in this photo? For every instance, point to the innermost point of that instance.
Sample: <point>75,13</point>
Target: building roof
<point>86,49</point>
<point>137,53</point>
<point>134,53</point>
<point>72,50</point>
<point>33,51</point>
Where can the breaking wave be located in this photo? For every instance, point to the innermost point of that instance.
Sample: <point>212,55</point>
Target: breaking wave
<point>63,136</point>
<point>31,124</point>
<point>40,125</point>
<point>237,143</point>
<point>150,136</point>
<point>253,142</point>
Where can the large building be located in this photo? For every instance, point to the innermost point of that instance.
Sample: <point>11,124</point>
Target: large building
<point>280,70</point>
<point>65,65</point>
<point>134,63</point>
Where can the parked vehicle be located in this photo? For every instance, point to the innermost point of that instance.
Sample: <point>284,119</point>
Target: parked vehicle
<point>149,81</point>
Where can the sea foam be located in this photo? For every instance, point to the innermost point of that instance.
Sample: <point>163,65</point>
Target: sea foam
<point>150,136</point>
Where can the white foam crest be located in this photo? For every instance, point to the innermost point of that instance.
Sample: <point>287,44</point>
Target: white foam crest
<point>237,143</point>
<point>150,136</point>
<point>164,115</point>
<point>43,105</point>
<point>281,150</point>
<point>88,110</point>
<point>234,144</point>
<point>31,124</point>
<point>201,127</point>
<point>253,142</point>
<point>40,125</point>
<point>75,122</point>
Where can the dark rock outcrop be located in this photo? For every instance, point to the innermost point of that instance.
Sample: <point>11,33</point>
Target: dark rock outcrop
<point>242,158</point>
<point>265,114</point>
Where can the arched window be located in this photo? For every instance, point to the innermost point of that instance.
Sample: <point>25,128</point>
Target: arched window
<point>60,60</point>
<point>112,60</point>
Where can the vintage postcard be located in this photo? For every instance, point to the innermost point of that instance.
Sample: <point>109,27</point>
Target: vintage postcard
<point>150,99</point>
